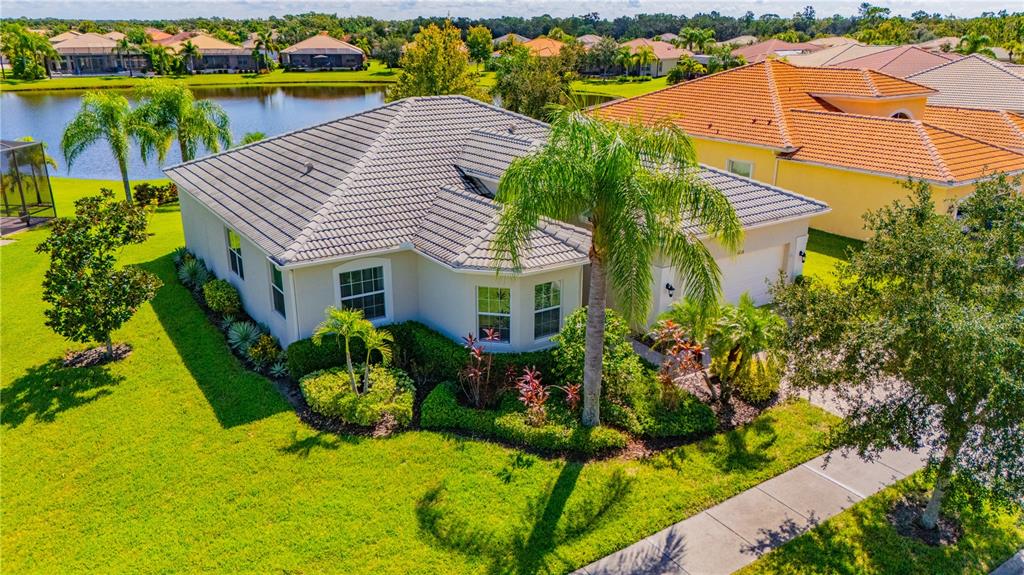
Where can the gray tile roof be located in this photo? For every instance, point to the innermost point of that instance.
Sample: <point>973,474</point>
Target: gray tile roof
<point>397,176</point>
<point>974,82</point>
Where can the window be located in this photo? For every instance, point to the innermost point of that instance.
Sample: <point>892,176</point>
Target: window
<point>741,168</point>
<point>235,253</point>
<point>547,309</point>
<point>901,115</point>
<point>277,289</point>
<point>364,289</point>
<point>494,311</point>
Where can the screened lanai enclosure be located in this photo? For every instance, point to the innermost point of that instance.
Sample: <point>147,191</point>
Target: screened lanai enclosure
<point>27,196</point>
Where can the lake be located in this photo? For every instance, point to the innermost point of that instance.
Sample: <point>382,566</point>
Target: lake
<point>272,110</point>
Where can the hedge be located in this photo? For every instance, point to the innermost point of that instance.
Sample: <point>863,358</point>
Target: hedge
<point>329,393</point>
<point>563,433</point>
<point>423,352</point>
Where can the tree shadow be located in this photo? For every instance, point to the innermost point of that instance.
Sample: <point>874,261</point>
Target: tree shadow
<point>302,447</point>
<point>745,448</point>
<point>539,532</point>
<point>769,539</point>
<point>237,396</point>
<point>49,389</point>
<point>644,558</point>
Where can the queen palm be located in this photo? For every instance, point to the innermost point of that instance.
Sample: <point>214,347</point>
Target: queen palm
<point>624,58</point>
<point>108,116</point>
<point>345,325</point>
<point>975,43</point>
<point>190,52</point>
<point>124,46</point>
<point>635,187</point>
<point>378,341</point>
<point>644,57</point>
<point>174,111</point>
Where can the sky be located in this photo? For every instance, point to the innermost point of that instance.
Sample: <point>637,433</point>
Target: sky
<point>404,9</point>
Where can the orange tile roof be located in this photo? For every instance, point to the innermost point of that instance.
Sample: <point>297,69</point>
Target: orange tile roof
<point>773,104</point>
<point>156,35</point>
<point>662,50</point>
<point>997,127</point>
<point>761,50</point>
<point>544,46</point>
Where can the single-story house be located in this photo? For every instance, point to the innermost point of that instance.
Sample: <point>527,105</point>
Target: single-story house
<point>515,38</point>
<point>322,52</point>
<point>588,40</point>
<point>772,48</point>
<point>67,35</point>
<point>156,34</point>
<point>391,211</point>
<point>216,55</point>
<point>115,35</point>
<point>666,55</point>
<point>739,41</point>
<point>544,47</point>
<point>667,37</point>
<point>95,54</point>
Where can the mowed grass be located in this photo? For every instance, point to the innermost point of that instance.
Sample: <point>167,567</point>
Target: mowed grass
<point>824,251</point>
<point>176,459</point>
<point>618,89</point>
<point>862,541</point>
<point>377,73</point>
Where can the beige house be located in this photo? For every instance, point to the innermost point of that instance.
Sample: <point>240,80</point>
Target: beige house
<point>666,55</point>
<point>84,54</point>
<point>322,52</point>
<point>391,211</point>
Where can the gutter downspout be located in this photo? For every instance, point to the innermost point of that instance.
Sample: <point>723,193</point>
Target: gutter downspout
<point>294,323</point>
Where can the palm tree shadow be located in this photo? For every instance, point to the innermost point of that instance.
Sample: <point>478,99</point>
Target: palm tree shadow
<point>49,389</point>
<point>746,448</point>
<point>236,395</point>
<point>541,529</point>
<point>302,447</point>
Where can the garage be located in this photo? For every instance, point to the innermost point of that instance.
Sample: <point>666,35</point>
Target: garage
<point>752,272</point>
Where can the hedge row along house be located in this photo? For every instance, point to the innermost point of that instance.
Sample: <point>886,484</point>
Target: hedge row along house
<point>391,211</point>
<point>848,137</point>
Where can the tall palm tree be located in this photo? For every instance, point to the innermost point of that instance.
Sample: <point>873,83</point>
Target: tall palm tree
<point>624,58</point>
<point>344,325</point>
<point>975,43</point>
<point>107,116</point>
<point>375,340</point>
<point>644,57</point>
<point>703,38</point>
<point>634,186</point>
<point>47,158</point>
<point>689,37</point>
<point>269,44</point>
<point>173,110</point>
<point>258,57</point>
<point>190,52</point>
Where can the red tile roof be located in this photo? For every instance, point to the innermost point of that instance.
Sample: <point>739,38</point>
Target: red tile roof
<point>775,104</point>
<point>761,50</point>
<point>901,61</point>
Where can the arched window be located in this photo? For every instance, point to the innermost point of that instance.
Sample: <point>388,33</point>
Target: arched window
<point>901,115</point>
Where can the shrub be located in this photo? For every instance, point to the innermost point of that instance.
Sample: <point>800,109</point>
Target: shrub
<point>760,381</point>
<point>391,392</point>
<point>193,273</point>
<point>264,351</point>
<point>305,357</point>
<point>242,335</point>
<point>278,369</point>
<point>146,193</point>
<point>561,433</point>
<point>222,297</point>
<point>621,365</point>
<point>181,254</point>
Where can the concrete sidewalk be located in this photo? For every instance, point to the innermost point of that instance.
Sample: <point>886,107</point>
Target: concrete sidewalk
<point>732,534</point>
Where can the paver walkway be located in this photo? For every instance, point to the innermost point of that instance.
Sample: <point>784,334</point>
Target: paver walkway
<point>734,533</point>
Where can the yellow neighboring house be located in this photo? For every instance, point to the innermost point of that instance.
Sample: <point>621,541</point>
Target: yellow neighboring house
<point>848,137</point>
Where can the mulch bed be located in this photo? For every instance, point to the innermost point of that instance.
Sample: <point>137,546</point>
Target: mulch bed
<point>96,356</point>
<point>904,515</point>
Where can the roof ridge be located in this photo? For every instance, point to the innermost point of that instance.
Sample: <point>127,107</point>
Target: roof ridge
<point>780,115</point>
<point>316,222</point>
<point>937,159</point>
<point>870,82</point>
<point>1005,115</point>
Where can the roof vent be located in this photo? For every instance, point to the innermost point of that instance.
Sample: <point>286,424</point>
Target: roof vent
<point>308,168</point>
<point>511,128</point>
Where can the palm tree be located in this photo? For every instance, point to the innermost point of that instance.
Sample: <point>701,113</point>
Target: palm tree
<point>689,37</point>
<point>624,58</point>
<point>702,38</point>
<point>258,47</point>
<point>379,341</point>
<point>125,46</point>
<point>47,158</point>
<point>174,111</point>
<point>644,57</point>
<point>269,44</point>
<point>107,116</point>
<point>1014,49</point>
<point>600,173</point>
<point>190,52</point>
<point>344,325</point>
<point>975,43</point>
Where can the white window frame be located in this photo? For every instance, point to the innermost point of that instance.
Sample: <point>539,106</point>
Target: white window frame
<point>389,305</point>
<point>478,313</point>
<point>558,286</point>
<point>237,268</point>
<point>732,162</point>
<point>283,312</point>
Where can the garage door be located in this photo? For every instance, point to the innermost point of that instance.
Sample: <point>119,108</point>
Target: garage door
<point>751,272</point>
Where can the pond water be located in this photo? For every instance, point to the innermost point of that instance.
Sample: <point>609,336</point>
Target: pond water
<point>272,110</point>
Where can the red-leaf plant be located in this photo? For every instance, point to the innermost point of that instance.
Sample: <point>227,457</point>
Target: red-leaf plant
<point>475,378</point>
<point>683,358</point>
<point>533,394</point>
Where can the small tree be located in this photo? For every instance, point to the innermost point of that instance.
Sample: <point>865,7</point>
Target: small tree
<point>89,296</point>
<point>390,51</point>
<point>436,64</point>
<point>345,325</point>
<point>375,340</point>
<point>921,336</point>
<point>480,44</point>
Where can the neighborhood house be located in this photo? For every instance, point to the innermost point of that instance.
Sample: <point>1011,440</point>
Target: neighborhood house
<point>322,52</point>
<point>391,211</point>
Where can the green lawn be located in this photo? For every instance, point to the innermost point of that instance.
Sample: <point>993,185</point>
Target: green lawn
<point>862,541</point>
<point>177,459</point>
<point>377,73</point>
<point>824,251</point>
